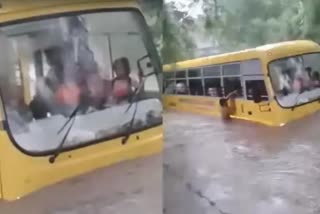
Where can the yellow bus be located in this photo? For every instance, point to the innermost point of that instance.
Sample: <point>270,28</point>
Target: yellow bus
<point>274,83</point>
<point>79,90</point>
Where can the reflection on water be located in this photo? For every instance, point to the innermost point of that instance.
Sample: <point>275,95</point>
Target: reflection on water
<point>241,166</point>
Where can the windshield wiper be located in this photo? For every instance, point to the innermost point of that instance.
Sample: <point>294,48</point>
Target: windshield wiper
<point>71,118</point>
<point>134,101</point>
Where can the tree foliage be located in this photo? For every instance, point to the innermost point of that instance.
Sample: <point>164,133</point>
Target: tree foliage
<point>170,35</point>
<point>239,24</point>
<point>248,23</point>
<point>177,43</point>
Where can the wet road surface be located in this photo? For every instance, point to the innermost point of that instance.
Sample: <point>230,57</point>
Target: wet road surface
<point>133,187</point>
<point>211,167</point>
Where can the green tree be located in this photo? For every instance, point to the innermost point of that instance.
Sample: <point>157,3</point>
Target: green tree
<point>248,23</point>
<point>172,38</point>
<point>177,43</point>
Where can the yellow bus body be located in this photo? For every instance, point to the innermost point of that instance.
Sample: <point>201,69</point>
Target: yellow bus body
<point>266,112</point>
<point>21,174</point>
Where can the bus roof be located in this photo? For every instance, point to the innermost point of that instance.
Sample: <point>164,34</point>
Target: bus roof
<point>269,51</point>
<point>11,10</point>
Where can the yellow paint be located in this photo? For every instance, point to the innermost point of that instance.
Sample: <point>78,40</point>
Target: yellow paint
<point>268,113</point>
<point>21,174</point>
<point>265,53</point>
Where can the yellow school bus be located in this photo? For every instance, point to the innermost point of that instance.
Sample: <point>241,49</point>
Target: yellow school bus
<point>62,111</point>
<point>274,83</point>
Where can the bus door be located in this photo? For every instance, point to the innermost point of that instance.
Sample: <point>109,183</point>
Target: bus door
<point>257,100</point>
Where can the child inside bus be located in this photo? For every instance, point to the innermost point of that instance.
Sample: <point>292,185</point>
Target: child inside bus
<point>123,86</point>
<point>181,88</point>
<point>316,79</point>
<point>213,92</point>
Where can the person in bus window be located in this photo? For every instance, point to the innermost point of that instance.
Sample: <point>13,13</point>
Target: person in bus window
<point>285,82</point>
<point>298,84</point>
<point>213,92</point>
<point>316,79</point>
<point>307,82</point>
<point>181,88</point>
<point>250,93</point>
<point>123,86</point>
<point>43,102</point>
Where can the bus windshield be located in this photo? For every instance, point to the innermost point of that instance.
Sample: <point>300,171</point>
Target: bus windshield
<point>296,80</point>
<point>89,61</point>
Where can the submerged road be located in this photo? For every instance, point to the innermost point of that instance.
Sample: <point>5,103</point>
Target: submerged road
<point>211,167</point>
<point>132,187</point>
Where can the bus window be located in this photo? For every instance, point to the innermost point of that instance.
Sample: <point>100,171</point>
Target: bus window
<point>194,73</point>
<point>78,63</point>
<point>311,62</point>
<point>213,71</point>
<point>196,87</point>
<point>294,79</point>
<point>251,67</point>
<point>213,87</point>
<point>182,88</point>
<point>256,86</point>
<point>231,84</point>
<point>169,75</point>
<point>181,74</point>
<point>170,87</point>
<point>169,83</point>
<point>231,70</point>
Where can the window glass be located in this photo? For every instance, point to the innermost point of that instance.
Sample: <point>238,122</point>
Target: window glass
<point>196,87</point>
<point>232,84</point>
<point>231,69</point>
<point>181,87</point>
<point>194,73</point>
<point>77,63</point>
<point>181,74</point>
<point>213,87</point>
<point>258,87</point>
<point>251,67</point>
<point>170,87</point>
<point>211,71</point>
<point>168,75</point>
<point>296,80</point>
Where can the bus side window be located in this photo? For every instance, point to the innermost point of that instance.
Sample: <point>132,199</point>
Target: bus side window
<point>169,83</point>
<point>181,87</point>
<point>213,87</point>
<point>231,79</point>
<point>232,84</point>
<point>256,88</point>
<point>170,87</point>
<point>196,88</point>
<point>180,74</point>
<point>195,82</point>
<point>212,81</point>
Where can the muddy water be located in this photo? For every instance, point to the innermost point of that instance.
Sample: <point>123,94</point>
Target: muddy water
<point>132,187</point>
<point>241,167</point>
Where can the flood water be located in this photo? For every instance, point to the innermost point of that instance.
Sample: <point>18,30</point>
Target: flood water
<point>131,187</point>
<point>212,167</point>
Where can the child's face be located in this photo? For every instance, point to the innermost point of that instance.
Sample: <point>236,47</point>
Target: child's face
<point>121,71</point>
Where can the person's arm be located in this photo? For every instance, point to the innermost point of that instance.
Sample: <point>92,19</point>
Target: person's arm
<point>231,94</point>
